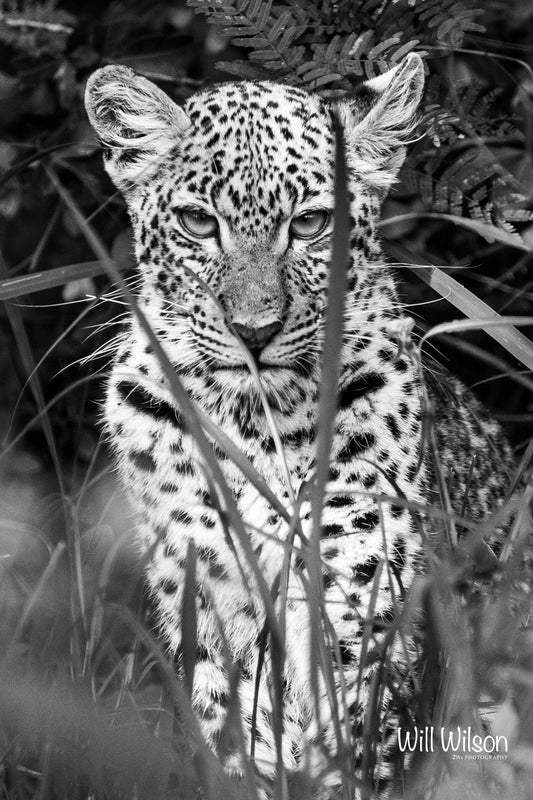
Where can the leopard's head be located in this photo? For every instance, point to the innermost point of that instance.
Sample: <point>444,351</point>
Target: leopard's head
<point>231,199</point>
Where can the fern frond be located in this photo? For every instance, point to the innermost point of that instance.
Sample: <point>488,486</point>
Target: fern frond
<point>269,31</point>
<point>340,39</point>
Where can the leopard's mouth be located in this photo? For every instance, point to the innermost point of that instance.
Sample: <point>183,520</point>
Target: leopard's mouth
<point>261,367</point>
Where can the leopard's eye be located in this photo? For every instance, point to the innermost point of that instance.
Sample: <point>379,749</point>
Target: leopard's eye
<point>309,224</point>
<point>197,222</point>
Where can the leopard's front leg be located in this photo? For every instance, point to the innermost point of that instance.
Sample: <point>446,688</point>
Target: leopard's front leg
<point>369,550</point>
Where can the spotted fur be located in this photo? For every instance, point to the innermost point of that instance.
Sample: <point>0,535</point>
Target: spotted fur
<point>255,156</point>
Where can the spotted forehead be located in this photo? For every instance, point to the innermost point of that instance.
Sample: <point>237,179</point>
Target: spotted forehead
<point>260,146</point>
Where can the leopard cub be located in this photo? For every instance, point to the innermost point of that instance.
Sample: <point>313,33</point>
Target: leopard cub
<point>231,200</point>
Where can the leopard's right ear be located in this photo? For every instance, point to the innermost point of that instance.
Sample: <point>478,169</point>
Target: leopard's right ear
<point>135,121</point>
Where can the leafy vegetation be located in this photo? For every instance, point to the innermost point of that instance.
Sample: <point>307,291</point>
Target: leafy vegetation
<point>89,703</point>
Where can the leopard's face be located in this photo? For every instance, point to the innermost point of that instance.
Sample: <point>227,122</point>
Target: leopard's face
<point>232,201</point>
<point>236,237</point>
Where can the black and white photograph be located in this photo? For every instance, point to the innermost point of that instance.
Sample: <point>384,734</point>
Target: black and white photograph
<point>266,400</point>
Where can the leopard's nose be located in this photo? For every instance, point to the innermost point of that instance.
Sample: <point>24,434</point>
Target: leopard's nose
<point>257,338</point>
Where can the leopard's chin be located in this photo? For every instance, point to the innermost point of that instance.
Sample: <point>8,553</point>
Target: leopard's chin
<point>240,379</point>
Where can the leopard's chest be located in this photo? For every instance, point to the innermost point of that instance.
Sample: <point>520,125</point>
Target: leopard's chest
<point>247,546</point>
<point>174,489</point>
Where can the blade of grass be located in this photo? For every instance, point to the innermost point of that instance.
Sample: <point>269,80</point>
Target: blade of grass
<point>59,339</point>
<point>20,165</point>
<point>478,352</point>
<point>487,325</point>
<point>327,408</point>
<point>489,232</point>
<point>43,241</point>
<point>331,353</point>
<point>50,279</point>
<point>466,301</point>
<point>458,325</point>
<point>36,593</point>
<point>188,619</point>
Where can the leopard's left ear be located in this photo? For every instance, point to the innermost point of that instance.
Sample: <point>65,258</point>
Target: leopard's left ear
<point>136,122</point>
<point>379,119</point>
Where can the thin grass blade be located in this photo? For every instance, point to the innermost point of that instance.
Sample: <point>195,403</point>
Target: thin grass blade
<point>188,619</point>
